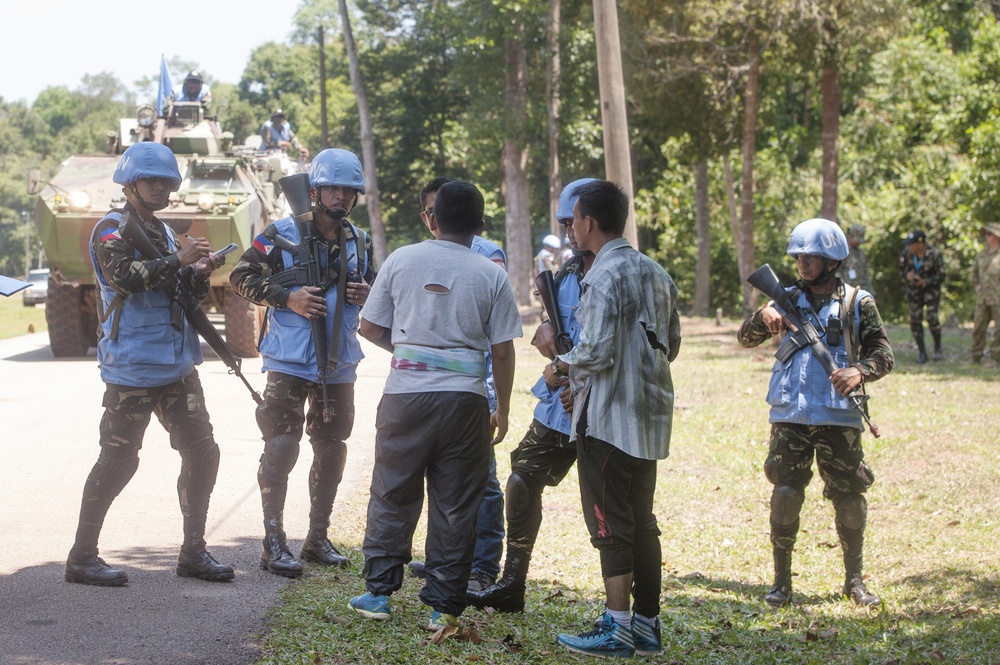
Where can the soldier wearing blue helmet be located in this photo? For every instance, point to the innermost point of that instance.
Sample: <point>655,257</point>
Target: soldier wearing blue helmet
<point>807,418</point>
<point>336,181</point>
<point>148,366</point>
<point>545,455</point>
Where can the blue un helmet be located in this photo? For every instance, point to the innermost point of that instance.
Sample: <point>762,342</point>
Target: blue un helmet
<point>819,237</point>
<point>147,160</point>
<point>568,197</point>
<point>335,166</point>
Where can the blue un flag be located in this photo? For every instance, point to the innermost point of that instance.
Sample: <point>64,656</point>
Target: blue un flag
<point>166,86</point>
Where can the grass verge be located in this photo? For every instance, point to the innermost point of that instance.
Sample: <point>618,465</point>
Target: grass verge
<point>15,318</point>
<point>931,550</point>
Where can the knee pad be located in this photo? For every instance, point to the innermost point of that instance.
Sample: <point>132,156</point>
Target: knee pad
<point>331,456</point>
<point>519,496</point>
<point>786,502</point>
<point>115,467</point>
<point>852,512</point>
<point>280,455</point>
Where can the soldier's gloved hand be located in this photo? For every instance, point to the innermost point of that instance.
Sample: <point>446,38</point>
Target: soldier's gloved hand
<point>308,302</point>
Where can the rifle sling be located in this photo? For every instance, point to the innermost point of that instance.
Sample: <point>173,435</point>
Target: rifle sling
<point>338,317</point>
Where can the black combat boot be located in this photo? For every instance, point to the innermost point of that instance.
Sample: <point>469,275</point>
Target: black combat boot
<point>852,541</point>
<point>922,350</point>
<point>507,595</point>
<point>325,474</point>
<point>938,353</point>
<point>318,549</point>
<point>88,568</point>
<point>275,557</point>
<point>781,591</point>
<point>194,560</point>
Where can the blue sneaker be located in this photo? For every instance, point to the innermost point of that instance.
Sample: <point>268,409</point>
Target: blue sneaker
<point>607,639</point>
<point>373,607</point>
<point>647,638</point>
<point>441,620</point>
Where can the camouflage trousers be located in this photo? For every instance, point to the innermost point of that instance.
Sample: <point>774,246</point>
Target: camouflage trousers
<point>180,408</point>
<point>919,299</point>
<point>282,418</point>
<point>838,454</point>
<point>984,314</point>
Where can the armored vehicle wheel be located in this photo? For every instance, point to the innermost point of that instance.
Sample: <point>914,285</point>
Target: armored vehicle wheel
<point>242,325</point>
<point>68,323</point>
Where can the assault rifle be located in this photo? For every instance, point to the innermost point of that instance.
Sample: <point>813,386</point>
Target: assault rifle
<point>546,285</point>
<point>184,304</point>
<point>309,269</point>
<point>764,280</point>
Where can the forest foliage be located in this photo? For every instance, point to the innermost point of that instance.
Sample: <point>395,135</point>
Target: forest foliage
<point>919,133</point>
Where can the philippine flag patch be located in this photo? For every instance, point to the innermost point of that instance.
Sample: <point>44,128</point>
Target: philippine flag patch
<point>263,245</point>
<point>110,233</point>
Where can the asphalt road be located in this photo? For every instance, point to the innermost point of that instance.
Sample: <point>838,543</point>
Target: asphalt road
<point>50,410</point>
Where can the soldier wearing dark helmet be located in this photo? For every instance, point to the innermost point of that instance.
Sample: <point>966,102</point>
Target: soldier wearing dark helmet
<point>148,366</point>
<point>810,414</point>
<point>193,89</point>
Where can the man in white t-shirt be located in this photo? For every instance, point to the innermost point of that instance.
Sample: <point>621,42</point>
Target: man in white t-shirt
<point>438,306</point>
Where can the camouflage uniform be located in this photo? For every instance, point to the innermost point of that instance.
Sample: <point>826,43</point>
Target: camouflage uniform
<point>854,269</point>
<point>931,269</point>
<point>282,417</point>
<point>986,281</point>
<point>838,452</point>
<point>179,406</point>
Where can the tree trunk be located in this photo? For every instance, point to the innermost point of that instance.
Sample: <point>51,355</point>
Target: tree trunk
<point>703,271</point>
<point>995,6</point>
<point>516,201</point>
<point>324,131</point>
<point>830,84</point>
<point>746,246</point>
<point>614,120</point>
<point>367,141</point>
<point>552,71</point>
<point>734,218</point>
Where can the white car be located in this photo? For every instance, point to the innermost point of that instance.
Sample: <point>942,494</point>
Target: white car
<point>35,294</point>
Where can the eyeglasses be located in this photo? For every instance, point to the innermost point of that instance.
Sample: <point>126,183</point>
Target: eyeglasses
<point>428,212</point>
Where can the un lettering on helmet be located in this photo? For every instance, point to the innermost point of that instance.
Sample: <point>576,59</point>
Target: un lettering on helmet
<point>819,237</point>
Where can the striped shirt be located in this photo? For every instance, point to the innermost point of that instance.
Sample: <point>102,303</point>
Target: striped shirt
<point>629,329</point>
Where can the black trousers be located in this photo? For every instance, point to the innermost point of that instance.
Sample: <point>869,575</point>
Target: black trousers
<point>617,495</point>
<point>444,436</point>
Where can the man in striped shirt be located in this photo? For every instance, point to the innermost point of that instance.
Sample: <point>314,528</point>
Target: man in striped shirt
<point>623,401</point>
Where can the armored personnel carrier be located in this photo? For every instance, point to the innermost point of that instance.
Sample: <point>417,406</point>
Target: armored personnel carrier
<point>227,195</point>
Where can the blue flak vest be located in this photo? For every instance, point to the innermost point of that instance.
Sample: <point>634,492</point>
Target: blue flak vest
<point>800,390</point>
<point>147,351</point>
<point>287,346</point>
<point>549,410</point>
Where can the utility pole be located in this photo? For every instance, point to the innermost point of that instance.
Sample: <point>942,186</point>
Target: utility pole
<point>611,82</point>
<point>27,243</point>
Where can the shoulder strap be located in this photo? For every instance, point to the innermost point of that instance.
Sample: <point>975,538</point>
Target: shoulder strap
<point>851,340</point>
